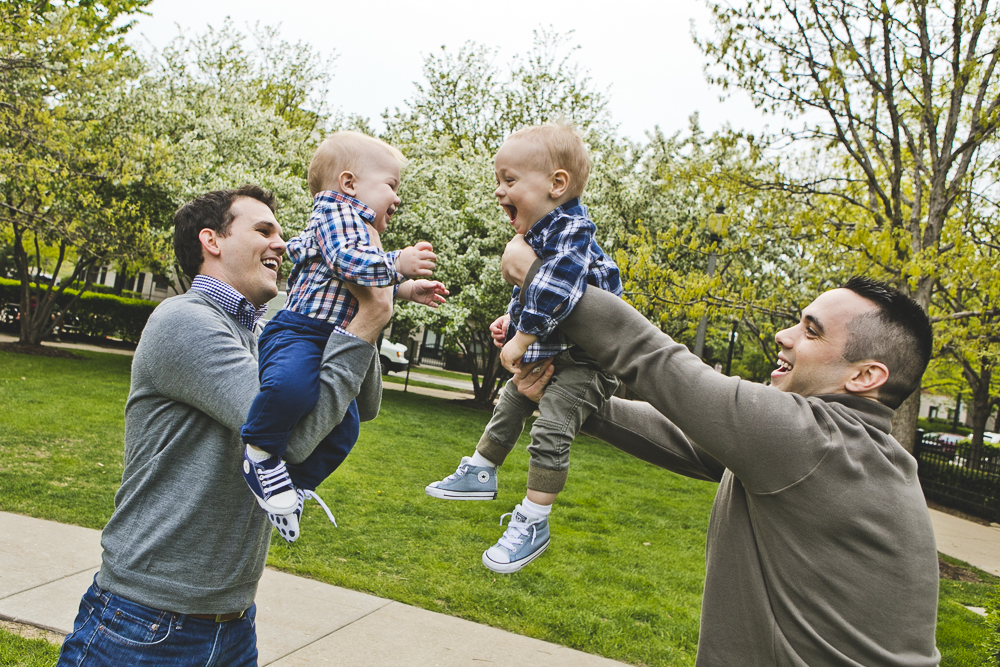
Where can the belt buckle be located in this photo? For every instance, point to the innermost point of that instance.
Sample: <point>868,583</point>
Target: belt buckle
<point>219,618</point>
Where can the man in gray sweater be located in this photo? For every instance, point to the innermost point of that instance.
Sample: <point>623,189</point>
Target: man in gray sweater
<point>187,543</point>
<point>820,549</point>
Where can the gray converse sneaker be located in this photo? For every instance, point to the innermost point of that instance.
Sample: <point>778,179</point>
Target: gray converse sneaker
<point>524,540</point>
<point>469,482</point>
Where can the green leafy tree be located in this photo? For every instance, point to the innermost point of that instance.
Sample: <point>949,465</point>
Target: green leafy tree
<point>901,95</point>
<point>63,183</point>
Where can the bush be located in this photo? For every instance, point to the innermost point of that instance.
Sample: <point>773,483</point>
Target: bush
<point>101,289</point>
<point>99,315</point>
<point>941,426</point>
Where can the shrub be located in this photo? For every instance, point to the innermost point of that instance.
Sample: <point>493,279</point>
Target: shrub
<point>100,315</point>
<point>101,289</point>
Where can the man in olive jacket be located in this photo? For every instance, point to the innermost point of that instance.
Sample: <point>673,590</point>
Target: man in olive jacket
<point>820,549</point>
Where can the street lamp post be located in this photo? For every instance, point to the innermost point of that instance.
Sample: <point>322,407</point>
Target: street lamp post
<point>717,224</point>
<point>732,344</point>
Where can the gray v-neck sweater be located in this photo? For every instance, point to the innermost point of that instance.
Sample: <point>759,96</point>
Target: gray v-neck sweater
<point>820,549</point>
<point>187,534</point>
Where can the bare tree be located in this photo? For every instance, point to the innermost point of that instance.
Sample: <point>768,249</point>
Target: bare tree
<point>904,93</point>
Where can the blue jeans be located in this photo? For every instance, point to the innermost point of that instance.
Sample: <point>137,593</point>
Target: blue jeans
<point>291,351</point>
<point>110,631</point>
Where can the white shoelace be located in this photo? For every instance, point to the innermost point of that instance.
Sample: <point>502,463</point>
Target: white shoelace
<point>274,479</point>
<point>462,469</point>
<point>306,495</point>
<point>516,531</point>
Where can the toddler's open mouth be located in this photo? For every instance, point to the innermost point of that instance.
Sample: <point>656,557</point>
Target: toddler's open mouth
<point>511,211</point>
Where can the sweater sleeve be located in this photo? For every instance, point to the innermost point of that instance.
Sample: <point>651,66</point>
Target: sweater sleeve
<point>636,428</point>
<point>769,439</point>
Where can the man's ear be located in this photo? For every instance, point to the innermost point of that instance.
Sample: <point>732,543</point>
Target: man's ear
<point>560,183</point>
<point>210,242</point>
<point>867,377</point>
<point>348,183</point>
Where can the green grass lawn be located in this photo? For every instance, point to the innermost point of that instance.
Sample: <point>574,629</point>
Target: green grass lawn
<point>16,651</point>
<point>622,578</point>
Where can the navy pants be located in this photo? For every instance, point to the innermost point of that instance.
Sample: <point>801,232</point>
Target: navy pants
<point>290,353</point>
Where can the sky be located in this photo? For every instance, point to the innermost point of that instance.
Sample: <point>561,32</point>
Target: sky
<point>641,52</point>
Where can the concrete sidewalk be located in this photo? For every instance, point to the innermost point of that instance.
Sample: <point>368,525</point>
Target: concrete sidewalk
<point>45,567</point>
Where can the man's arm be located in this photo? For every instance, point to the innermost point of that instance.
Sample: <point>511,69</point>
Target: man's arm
<point>634,427</point>
<point>768,438</point>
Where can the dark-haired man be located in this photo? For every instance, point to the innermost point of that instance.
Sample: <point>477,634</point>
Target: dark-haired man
<point>186,545</point>
<point>820,549</point>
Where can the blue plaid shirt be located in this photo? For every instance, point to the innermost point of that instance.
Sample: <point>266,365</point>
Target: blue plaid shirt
<point>335,249</point>
<point>571,260</point>
<point>231,301</point>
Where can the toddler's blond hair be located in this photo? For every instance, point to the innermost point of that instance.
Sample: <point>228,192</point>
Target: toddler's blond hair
<point>345,151</point>
<point>562,148</point>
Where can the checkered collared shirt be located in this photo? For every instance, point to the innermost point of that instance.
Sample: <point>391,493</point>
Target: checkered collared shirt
<point>333,250</point>
<point>231,301</point>
<point>571,260</point>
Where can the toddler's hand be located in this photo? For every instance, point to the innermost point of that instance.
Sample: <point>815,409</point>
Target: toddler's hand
<point>499,329</point>
<point>510,355</point>
<point>428,292</point>
<point>416,261</point>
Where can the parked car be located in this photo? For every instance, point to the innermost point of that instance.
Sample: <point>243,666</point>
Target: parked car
<point>944,444</point>
<point>392,356</point>
<point>992,438</point>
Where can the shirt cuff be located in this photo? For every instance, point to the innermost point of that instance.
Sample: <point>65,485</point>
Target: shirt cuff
<point>342,330</point>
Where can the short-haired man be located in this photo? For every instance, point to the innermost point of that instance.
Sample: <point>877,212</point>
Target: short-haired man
<point>820,549</point>
<point>187,543</point>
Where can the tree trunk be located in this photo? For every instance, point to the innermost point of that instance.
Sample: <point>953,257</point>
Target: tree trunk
<point>979,406</point>
<point>904,422</point>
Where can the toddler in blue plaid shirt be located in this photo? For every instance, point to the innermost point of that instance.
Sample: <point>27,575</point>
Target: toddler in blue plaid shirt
<point>353,179</point>
<point>541,172</point>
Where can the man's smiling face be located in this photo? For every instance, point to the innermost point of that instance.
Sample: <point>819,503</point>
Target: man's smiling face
<point>811,360</point>
<point>251,254</point>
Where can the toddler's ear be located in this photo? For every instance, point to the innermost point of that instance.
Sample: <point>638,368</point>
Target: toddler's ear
<point>347,182</point>
<point>560,183</point>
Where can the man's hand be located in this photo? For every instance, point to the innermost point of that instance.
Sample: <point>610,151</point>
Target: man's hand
<point>517,260</point>
<point>416,261</point>
<point>428,292</point>
<point>531,379</point>
<point>499,329</point>
<point>374,311</point>
<point>510,355</point>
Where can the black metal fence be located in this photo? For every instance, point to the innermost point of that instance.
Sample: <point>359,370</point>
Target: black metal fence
<point>956,476</point>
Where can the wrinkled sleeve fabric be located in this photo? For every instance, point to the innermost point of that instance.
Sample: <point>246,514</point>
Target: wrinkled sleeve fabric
<point>636,428</point>
<point>346,248</point>
<point>768,438</point>
<point>562,277</point>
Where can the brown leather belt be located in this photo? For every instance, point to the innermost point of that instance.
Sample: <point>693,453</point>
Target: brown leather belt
<point>219,618</point>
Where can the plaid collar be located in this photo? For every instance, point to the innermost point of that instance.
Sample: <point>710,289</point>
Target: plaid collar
<point>231,301</point>
<point>367,214</point>
<point>557,212</point>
